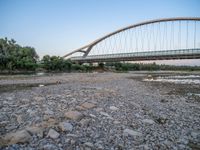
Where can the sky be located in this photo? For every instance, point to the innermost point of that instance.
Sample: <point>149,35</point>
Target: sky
<point>56,27</point>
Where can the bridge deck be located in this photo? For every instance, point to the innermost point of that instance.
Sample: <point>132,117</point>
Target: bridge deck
<point>139,56</point>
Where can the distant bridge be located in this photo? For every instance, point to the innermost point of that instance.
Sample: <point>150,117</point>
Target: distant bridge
<point>161,39</point>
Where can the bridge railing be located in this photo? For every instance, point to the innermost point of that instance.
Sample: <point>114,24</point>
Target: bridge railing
<point>142,54</point>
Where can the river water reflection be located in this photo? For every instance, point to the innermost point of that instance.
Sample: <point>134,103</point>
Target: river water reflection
<point>179,79</point>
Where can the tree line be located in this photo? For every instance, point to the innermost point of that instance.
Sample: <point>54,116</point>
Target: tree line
<point>149,67</point>
<point>14,57</point>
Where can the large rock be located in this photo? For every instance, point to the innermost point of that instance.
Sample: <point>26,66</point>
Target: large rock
<point>73,115</point>
<point>128,132</point>
<point>18,137</point>
<point>53,134</point>
<point>65,126</point>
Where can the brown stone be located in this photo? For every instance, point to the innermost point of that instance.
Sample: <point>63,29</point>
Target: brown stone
<point>18,137</point>
<point>88,105</point>
<point>80,108</point>
<point>74,115</point>
<point>35,130</point>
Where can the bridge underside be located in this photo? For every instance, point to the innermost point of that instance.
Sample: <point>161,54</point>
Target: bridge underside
<point>141,56</point>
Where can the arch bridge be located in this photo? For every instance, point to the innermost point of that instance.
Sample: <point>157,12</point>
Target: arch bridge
<point>160,39</point>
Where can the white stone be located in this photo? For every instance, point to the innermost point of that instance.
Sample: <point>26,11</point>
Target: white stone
<point>128,132</point>
<point>104,114</point>
<point>91,115</point>
<point>53,134</point>
<point>113,108</point>
<point>65,126</point>
<point>116,122</point>
<point>148,121</point>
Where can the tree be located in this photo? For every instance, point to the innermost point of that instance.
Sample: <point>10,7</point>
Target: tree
<point>55,63</point>
<point>16,57</point>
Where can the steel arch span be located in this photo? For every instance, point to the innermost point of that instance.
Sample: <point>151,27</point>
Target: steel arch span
<point>167,38</point>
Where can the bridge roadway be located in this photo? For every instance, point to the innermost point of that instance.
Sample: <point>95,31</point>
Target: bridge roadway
<point>140,56</point>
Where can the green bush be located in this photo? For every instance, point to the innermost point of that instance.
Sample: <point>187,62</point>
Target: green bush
<point>55,63</point>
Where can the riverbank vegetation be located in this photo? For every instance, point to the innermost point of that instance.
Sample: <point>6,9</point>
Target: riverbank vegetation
<point>149,67</point>
<point>17,58</point>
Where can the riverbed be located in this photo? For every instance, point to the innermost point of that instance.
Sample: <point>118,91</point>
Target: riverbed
<point>135,110</point>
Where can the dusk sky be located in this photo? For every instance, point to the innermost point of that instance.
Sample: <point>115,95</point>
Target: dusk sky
<point>56,27</point>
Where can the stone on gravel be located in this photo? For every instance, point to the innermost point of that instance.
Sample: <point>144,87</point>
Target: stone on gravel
<point>148,121</point>
<point>91,115</point>
<point>88,145</point>
<point>19,119</point>
<point>49,112</point>
<point>162,120</point>
<point>18,137</point>
<point>53,134</point>
<point>48,146</point>
<point>163,100</point>
<point>74,115</point>
<point>88,105</point>
<point>113,108</point>
<point>116,122</point>
<point>80,108</point>
<point>65,126</point>
<point>35,130</point>
<point>99,109</point>
<point>129,132</point>
<point>85,122</point>
<point>104,114</point>
<point>72,135</point>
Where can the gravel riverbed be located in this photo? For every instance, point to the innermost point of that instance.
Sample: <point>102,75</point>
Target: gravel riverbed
<point>103,111</point>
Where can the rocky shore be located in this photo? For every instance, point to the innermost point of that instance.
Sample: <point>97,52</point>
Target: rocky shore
<point>103,111</point>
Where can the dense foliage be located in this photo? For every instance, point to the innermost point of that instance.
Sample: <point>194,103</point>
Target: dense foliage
<point>55,63</point>
<point>16,57</point>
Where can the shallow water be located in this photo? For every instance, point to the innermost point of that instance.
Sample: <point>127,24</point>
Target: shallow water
<point>177,79</point>
<point>14,87</point>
